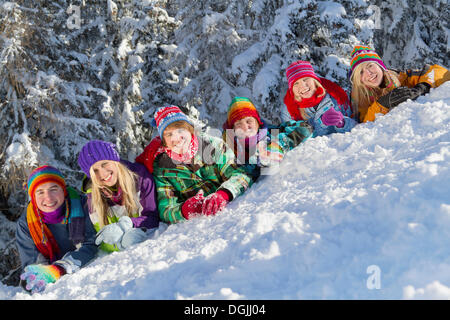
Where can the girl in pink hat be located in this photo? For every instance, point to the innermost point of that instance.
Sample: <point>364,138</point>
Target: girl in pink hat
<point>121,196</point>
<point>321,102</point>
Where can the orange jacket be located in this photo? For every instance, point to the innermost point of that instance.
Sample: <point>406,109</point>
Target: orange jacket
<point>434,75</point>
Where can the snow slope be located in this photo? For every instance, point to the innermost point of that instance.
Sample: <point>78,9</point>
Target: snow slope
<point>361,215</point>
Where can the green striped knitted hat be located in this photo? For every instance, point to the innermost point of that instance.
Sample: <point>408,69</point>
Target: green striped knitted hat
<point>362,54</point>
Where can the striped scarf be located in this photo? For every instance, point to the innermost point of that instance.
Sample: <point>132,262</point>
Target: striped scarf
<point>41,234</point>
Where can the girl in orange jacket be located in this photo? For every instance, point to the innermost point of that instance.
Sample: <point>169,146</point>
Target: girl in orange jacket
<point>377,89</point>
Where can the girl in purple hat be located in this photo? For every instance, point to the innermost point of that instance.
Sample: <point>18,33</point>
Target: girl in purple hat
<point>121,196</point>
<point>321,102</point>
<point>377,89</point>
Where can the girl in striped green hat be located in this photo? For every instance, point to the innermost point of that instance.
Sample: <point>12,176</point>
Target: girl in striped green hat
<point>377,89</point>
<point>256,143</point>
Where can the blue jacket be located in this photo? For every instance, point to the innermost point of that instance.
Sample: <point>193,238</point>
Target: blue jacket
<point>71,257</point>
<point>315,116</point>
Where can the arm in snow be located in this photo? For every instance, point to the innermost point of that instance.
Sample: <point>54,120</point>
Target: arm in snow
<point>348,125</point>
<point>372,110</point>
<point>72,261</point>
<point>292,133</point>
<point>169,205</point>
<point>235,179</point>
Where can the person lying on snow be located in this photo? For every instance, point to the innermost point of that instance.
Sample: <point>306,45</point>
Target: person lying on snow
<point>195,173</point>
<point>256,143</point>
<point>321,102</point>
<point>377,89</point>
<point>55,237</point>
<point>121,197</point>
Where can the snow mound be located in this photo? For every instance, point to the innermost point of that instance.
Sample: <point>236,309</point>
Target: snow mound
<point>360,215</point>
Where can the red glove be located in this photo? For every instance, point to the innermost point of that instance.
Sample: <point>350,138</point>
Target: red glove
<point>215,202</point>
<point>193,205</point>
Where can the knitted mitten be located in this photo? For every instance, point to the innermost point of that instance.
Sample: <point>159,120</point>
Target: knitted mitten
<point>112,233</point>
<point>333,118</point>
<point>193,205</point>
<point>37,276</point>
<point>215,202</point>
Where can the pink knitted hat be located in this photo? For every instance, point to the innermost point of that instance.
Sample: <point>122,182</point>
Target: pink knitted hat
<point>299,69</point>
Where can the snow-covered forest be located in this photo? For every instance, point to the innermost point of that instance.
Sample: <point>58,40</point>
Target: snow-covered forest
<point>72,71</point>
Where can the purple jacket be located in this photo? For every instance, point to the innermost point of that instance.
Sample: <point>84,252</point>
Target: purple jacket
<point>149,216</point>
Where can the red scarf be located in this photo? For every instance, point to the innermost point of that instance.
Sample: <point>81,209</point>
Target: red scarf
<point>331,88</point>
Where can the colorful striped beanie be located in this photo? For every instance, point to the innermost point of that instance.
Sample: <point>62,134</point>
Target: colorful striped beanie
<point>362,54</point>
<point>42,175</point>
<point>96,150</point>
<point>299,69</point>
<point>240,108</point>
<point>167,115</point>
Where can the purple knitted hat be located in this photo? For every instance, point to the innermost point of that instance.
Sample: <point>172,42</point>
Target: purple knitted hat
<point>299,69</point>
<point>96,150</point>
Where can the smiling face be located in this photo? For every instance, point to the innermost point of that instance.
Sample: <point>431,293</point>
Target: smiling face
<point>177,139</point>
<point>49,196</point>
<point>246,127</point>
<point>371,74</point>
<point>106,172</point>
<point>304,88</point>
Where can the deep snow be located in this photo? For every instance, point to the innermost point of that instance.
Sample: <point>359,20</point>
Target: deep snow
<point>361,215</point>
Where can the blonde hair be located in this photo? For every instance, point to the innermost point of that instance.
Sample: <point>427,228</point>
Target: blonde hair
<point>126,180</point>
<point>363,95</point>
<point>177,125</point>
<point>318,85</point>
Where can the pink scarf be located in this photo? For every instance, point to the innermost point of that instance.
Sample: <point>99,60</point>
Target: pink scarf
<point>186,157</point>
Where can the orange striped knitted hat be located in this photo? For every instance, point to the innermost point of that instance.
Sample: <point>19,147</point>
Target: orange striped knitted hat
<point>42,175</point>
<point>362,54</point>
<point>240,108</point>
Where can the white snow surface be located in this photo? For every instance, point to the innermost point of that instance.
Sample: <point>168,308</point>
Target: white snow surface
<point>360,215</point>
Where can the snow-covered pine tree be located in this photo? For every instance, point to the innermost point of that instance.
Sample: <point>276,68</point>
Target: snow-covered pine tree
<point>411,33</point>
<point>231,48</point>
<point>72,72</point>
